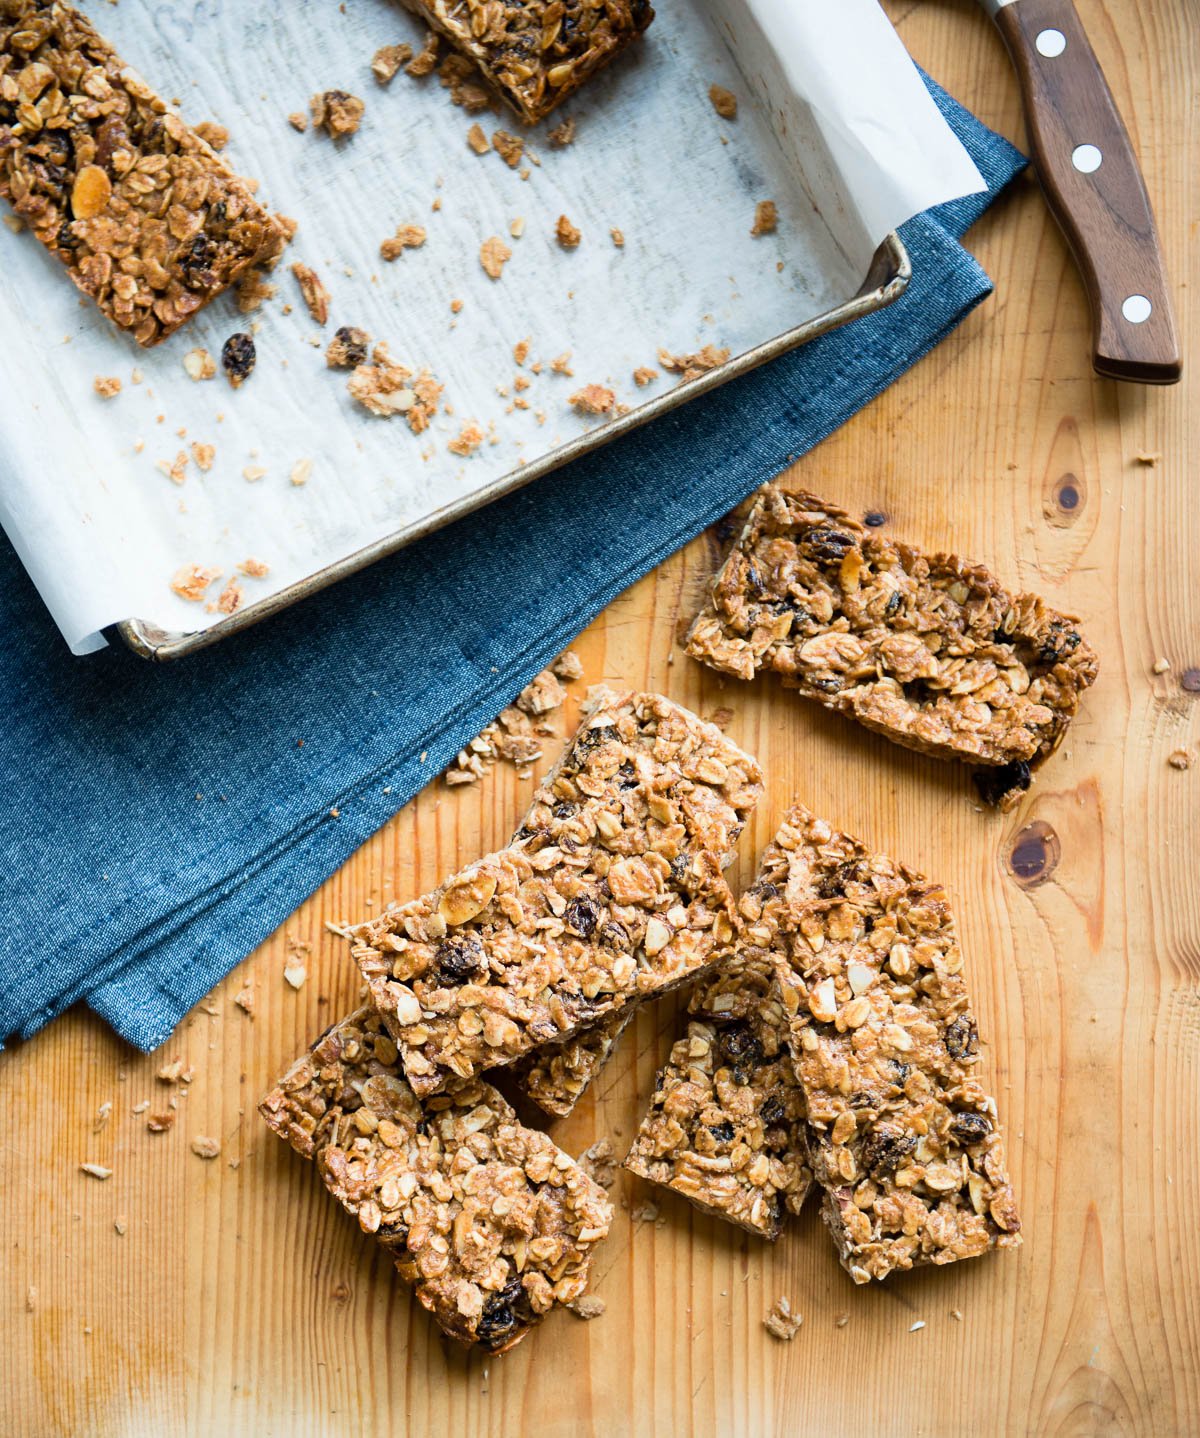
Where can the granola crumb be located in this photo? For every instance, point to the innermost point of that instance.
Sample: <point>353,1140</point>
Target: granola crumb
<point>107,386</point>
<point>120,1223</point>
<point>386,388</point>
<point>171,1072</point>
<point>244,998</point>
<point>230,598</point>
<point>192,580</point>
<point>253,473</point>
<point>456,307</point>
<point>766,218</point>
<point>204,455</point>
<point>423,63</point>
<point>135,376</point>
<point>199,365</point>
<point>387,60</point>
<point>315,295</point>
<point>781,1322</point>
<point>516,227</point>
<point>586,1306</point>
<point>301,472</point>
<point>295,974</point>
<point>917,1326</point>
<point>205,1147</point>
<point>348,348</point>
<point>566,234</point>
<point>956,1314</point>
<point>567,666</point>
<point>724,102</point>
<point>337,112</point>
<point>841,1320</point>
<point>31,1294</point>
<point>1161,666</point>
<point>477,140</point>
<point>213,134</point>
<point>645,1213</point>
<point>618,237</point>
<point>593,399</point>
<point>521,351</point>
<point>644,375</point>
<point>510,148</point>
<point>1180,759</point>
<point>407,237</point>
<point>494,254</point>
<point>1148,458</point>
<point>562,134</point>
<point>561,365</point>
<point>252,290</point>
<point>161,1122</point>
<point>690,366</point>
<point>96,1170</point>
<point>468,440</point>
<point>176,469</point>
<point>298,120</point>
<point>599,1162</point>
<point>103,1114</point>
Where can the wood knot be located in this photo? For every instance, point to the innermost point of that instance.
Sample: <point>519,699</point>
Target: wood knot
<point>1034,854</point>
<point>1064,500</point>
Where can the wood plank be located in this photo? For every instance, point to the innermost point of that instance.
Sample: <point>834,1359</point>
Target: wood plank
<point>241,1301</point>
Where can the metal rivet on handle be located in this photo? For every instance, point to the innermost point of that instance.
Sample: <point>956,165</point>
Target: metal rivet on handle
<point>1086,158</point>
<point>1136,309</point>
<point>1050,43</point>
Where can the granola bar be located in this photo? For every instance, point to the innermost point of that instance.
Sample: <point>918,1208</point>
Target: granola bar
<point>491,1223</point>
<point>929,650</point>
<point>536,52</point>
<point>902,1137</point>
<point>556,1076</point>
<point>149,220</point>
<point>612,893</point>
<point>726,1126</point>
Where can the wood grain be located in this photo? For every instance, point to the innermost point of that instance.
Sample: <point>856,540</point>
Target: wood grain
<point>240,1301</point>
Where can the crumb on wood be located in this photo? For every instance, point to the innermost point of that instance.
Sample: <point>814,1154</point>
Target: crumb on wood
<point>766,219</point>
<point>337,112</point>
<point>205,1147</point>
<point>295,973</point>
<point>107,386</point>
<point>841,1320</point>
<point>593,399</point>
<point>161,1122</point>
<point>313,291</point>
<point>96,1170</point>
<point>781,1322</point>
<point>121,1224</point>
<point>244,998</point>
<point>407,237</point>
<point>1180,759</point>
<point>494,254</point>
<point>724,102</point>
<point>1150,458</point>
<point>586,1306</point>
<point>599,1162</point>
<point>568,665</point>
<point>1161,666</point>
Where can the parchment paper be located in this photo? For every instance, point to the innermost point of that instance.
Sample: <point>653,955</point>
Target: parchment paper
<point>834,125</point>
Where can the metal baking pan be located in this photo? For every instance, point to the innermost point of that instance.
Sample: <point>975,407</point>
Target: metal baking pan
<point>886,281</point>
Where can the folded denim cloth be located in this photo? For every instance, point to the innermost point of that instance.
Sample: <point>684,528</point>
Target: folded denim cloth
<point>162,820</point>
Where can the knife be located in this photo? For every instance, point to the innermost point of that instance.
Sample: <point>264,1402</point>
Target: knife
<point>1093,185</point>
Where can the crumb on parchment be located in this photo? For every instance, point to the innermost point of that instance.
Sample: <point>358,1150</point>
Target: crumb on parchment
<point>348,348</point>
<point>477,140</point>
<point>644,375</point>
<point>387,60</point>
<point>766,218</point>
<point>724,102</point>
<point>593,399</point>
<point>107,386</point>
<point>562,135</point>
<point>199,365</point>
<point>689,366</point>
<point>494,254</point>
<point>566,233</point>
<point>212,134</point>
<point>468,439</point>
<point>254,568</point>
<point>337,112</point>
<point>781,1322</point>
<point>203,455</point>
<point>510,148</point>
<point>191,581</point>
<point>313,291</point>
<point>298,120</point>
<point>407,237</point>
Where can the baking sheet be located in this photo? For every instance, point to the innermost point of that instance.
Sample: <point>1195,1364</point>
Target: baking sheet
<point>100,527</point>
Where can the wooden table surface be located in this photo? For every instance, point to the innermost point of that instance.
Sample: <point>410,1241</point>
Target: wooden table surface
<point>240,1300</point>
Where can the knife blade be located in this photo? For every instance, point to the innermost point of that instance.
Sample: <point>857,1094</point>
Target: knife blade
<point>1093,185</point>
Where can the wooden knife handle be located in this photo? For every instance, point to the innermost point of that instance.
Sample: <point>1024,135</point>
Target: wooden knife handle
<point>1094,188</point>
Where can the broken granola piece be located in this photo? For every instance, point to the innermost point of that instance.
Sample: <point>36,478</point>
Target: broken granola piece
<point>407,237</point>
<point>901,1135</point>
<point>254,568</point>
<point>781,1322</point>
<point>644,375</point>
<point>348,348</point>
<point>298,120</point>
<point>510,148</point>
<point>766,218</point>
<point>199,365</point>
<point>148,219</point>
<point>205,1147</point>
<point>724,102</point>
<point>386,388</point>
<point>425,60</point>
<point>252,289</point>
<point>494,254</point>
<point>930,651</point>
<point>213,134</point>
<point>315,295</point>
<point>301,472</point>
<point>238,356</point>
<point>587,1306</point>
<point>477,140</point>
<point>566,234</point>
<point>462,79</point>
<point>387,60</point>
<point>230,598</point>
<point>563,134</point>
<point>567,666</point>
<point>624,894</point>
<point>689,367</point>
<point>337,112</point>
<point>490,1221</point>
<point>107,386</point>
<point>593,399</point>
<point>468,439</point>
<point>617,237</point>
<point>534,52</point>
<point>203,455</point>
<point>192,580</point>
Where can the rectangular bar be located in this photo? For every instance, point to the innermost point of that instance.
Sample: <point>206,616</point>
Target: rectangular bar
<point>492,1224</point>
<point>929,650</point>
<point>149,220</point>
<point>536,52</point>
<point>611,894</point>
<point>726,1126</point>
<point>902,1137</point>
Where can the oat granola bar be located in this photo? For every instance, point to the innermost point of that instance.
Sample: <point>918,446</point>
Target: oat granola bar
<point>611,894</point>
<point>536,52</point>
<point>491,1223</point>
<point>929,650</point>
<point>726,1126</point>
<point>902,1137</point>
<point>148,219</point>
<point>555,1077</point>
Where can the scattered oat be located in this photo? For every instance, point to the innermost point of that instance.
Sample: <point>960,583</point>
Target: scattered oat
<point>199,364</point>
<point>510,148</point>
<point>298,120</point>
<point>301,472</point>
<point>336,112</point>
<point>542,694</point>
<point>203,454</point>
<point>562,134</point>
<point>103,1114</point>
<point>192,580</point>
<point>407,237</point>
<point>841,1320</point>
<point>593,399</point>
<point>172,1072</point>
<point>566,234</point>
<point>645,1213</point>
<point>14,223</point>
<point>618,237</point>
<point>315,295</point>
<point>213,134</point>
<point>644,375</point>
<point>161,1122</point>
<point>423,63</point>
<point>176,469</point>
<point>766,218</point>
<point>140,1107</point>
<point>387,60</point>
<point>599,1162</point>
<point>477,140</point>
<point>96,1170</point>
<point>468,440</point>
<point>956,1314</point>
<point>562,365</point>
<point>724,102</point>
<point>295,973</point>
<point>1151,458</point>
<point>204,1147</point>
<point>516,227</point>
<point>348,348</point>
<point>1161,666</point>
<point>919,1324</point>
<point>1180,759</point>
<point>586,1306</point>
<point>244,998</point>
<point>253,473</point>
<point>252,290</point>
<point>107,386</point>
<point>567,665</point>
<point>781,1322</point>
<point>688,367</point>
<point>521,351</point>
<point>494,254</point>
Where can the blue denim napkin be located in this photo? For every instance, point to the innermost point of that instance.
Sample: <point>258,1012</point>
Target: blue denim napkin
<point>159,822</point>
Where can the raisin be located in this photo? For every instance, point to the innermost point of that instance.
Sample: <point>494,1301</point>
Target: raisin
<point>893,604</point>
<point>741,1051</point>
<point>629,778</point>
<point>563,809</point>
<point>994,784</point>
<point>352,347</point>
<point>830,685</point>
<point>499,1317</point>
<point>458,959</point>
<point>962,1038</point>
<point>772,1111</point>
<point>834,886</point>
<point>765,891</point>
<point>582,915</point>
<point>592,738</point>
<point>616,936</point>
<point>1060,642</point>
<point>722,1132</point>
<point>396,1234</point>
<point>900,1072</point>
<point>826,546</point>
<point>884,1148</point>
<point>196,263</point>
<point>679,868</point>
<point>969,1128</point>
<point>754,580</point>
<point>524,832</point>
<point>237,357</point>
